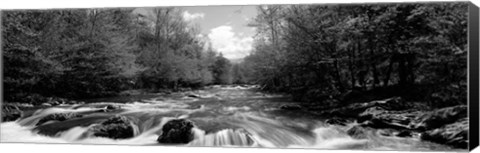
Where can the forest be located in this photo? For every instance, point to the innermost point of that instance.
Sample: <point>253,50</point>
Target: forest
<point>317,53</point>
<point>87,53</point>
<point>365,52</point>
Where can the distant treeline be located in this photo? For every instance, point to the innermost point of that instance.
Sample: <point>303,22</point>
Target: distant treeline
<point>85,53</point>
<point>316,52</point>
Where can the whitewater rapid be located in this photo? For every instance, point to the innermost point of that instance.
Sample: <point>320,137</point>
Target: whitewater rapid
<point>223,116</point>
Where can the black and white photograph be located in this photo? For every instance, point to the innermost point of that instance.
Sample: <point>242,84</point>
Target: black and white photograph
<point>360,76</point>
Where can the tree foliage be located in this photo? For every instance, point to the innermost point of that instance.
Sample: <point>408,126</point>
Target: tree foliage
<point>84,53</point>
<point>317,52</point>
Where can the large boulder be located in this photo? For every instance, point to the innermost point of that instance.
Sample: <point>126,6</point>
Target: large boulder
<point>455,134</point>
<point>57,117</point>
<point>54,101</point>
<point>370,113</point>
<point>355,109</point>
<point>336,121</point>
<point>378,117</point>
<point>177,131</point>
<point>438,118</point>
<point>357,132</point>
<point>118,127</point>
<point>110,108</point>
<point>404,133</point>
<point>10,113</point>
<point>394,103</point>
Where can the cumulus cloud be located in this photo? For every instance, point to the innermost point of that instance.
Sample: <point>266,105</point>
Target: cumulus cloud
<point>230,44</point>
<point>192,16</point>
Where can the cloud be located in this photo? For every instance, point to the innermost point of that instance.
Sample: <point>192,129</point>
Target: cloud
<point>189,17</point>
<point>230,44</point>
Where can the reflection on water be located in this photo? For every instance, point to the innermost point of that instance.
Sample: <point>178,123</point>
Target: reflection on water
<point>223,116</point>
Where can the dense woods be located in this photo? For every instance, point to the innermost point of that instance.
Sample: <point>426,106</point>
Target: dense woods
<point>318,53</point>
<point>85,53</point>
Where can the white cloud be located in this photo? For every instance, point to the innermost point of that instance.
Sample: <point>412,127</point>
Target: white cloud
<point>230,44</point>
<point>189,17</point>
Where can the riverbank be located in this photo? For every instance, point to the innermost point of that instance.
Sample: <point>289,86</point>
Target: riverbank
<point>244,116</point>
<point>397,117</point>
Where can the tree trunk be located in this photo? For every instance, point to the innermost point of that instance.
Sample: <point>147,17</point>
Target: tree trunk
<point>402,70</point>
<point>350,65</point>
<point>372,62</point>
<point>410,68</point>
<point>389,72</point>
<point>337,75</point>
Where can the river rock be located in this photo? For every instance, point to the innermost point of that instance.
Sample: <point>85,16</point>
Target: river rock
<point>58,117</point>
<point>369,113</point>
<point>177,131</point>
<point>357,132</point>
<point>355,109</point>
<point>54,101</point>
<point>455,134</point>
<point>404,133</point>
<point>438,118</point>
<point>336,121</point>
<point>193,95</point>
<point>10,113</point>
<point>291,107</point>
<point>110,108</point>
<point>118,127</point>
<point>378,117</point>
<point>46,105</point>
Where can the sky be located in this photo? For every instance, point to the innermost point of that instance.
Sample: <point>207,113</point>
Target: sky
<point>225,27</point>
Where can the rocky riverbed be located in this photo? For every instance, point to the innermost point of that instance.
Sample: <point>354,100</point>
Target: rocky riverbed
<point>239,116</point>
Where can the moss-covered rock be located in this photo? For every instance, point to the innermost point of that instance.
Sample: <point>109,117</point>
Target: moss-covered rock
<point>177,131</point>
<point>439,118</point>
<point>357,132</point>
<point>454,134</point>
<point>118,127</point>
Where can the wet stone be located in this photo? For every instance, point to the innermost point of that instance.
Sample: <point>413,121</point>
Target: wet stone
<point>58,117</point>
<point>357,132</point>
<point>118,127</point>
<point>177,131</point>
<point>336,121</point>
<point>10,113</point>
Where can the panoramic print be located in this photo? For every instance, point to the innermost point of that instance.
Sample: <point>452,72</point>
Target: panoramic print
<point>387,76</point>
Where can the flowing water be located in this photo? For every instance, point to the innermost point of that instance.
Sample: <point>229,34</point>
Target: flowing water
<point>230,116</point>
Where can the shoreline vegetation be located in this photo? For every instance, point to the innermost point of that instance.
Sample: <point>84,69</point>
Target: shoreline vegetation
<point>398,67</point>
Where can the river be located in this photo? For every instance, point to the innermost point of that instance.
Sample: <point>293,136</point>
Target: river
<point>218,113</point>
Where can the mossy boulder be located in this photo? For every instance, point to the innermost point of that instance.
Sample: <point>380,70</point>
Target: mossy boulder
<point>454,134</point>
<point>177,131</point>
<point>117,127</point>
<point>357,132</point>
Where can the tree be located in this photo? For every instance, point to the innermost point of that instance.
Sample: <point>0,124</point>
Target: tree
<point>221,70</point>
<point>320,52</point>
